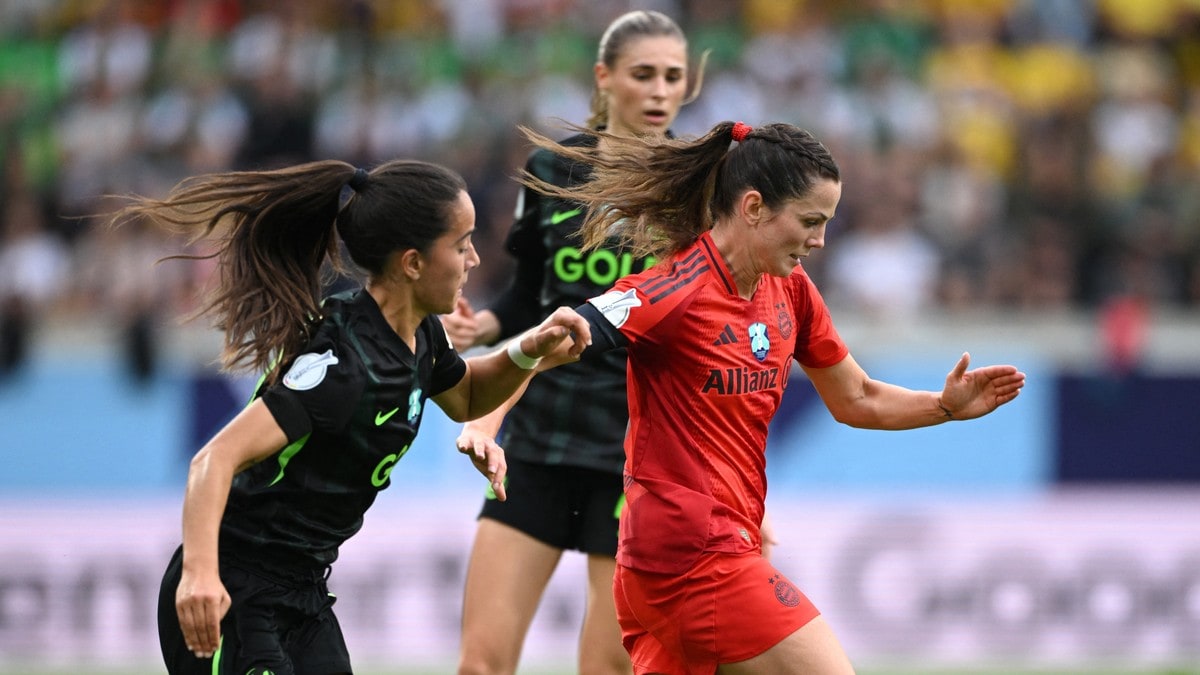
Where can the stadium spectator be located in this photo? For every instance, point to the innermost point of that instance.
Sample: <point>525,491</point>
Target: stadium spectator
<point>33,266</point>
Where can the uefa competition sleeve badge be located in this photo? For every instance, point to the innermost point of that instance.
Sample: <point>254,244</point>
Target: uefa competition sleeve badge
<point>309,370</point>
<point>615,305</point>
<point>759,344</point>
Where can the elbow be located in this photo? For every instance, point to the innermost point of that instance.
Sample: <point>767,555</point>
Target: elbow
<point>457,411</point>
<point>851,421</point>
<point>460,416</point>
<point>200,460</point>
<point>853,416</point>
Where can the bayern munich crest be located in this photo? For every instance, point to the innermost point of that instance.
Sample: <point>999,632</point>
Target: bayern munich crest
<point>787,594</point>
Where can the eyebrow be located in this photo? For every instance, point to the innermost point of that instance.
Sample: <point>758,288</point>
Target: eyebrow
<point>651,66</point>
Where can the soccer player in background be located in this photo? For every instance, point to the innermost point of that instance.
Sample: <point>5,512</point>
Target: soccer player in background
<point>272,496</point>
<point>563,439</point>
<point>711,333</point>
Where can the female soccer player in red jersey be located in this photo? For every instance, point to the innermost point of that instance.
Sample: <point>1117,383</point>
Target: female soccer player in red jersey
<point>711,333</point>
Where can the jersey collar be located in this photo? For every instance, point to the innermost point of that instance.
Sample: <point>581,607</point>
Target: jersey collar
<point>719,267</point>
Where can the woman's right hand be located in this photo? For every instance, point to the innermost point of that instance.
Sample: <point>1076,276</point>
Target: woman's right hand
<point>486,455</point>
<point>461,325</point>
<point>559,339</point>
<point>201,601</point>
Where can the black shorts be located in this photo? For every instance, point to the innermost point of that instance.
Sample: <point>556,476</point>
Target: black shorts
<point>274,624</point>
<point>567,507</point>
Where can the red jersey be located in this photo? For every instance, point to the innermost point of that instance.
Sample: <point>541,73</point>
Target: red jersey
<point>706,373</point>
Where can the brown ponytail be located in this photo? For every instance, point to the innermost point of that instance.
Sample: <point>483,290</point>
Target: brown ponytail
<point>276,244</point>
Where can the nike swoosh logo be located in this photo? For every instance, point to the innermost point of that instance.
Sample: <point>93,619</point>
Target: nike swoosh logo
<point>380,418</point>
<point>559,216</point>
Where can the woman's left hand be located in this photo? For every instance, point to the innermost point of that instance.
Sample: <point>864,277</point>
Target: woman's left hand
<point>975,393</point>
<point>486,455</point>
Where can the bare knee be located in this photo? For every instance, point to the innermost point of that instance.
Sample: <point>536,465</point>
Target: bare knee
<point>480,663</point>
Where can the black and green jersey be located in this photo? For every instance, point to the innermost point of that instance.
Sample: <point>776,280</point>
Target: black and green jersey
<point>350,405</point>
<point>576,414</point>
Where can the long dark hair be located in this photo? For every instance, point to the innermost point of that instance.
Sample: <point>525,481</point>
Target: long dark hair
<point>274,235</point>
<point>656,196</point>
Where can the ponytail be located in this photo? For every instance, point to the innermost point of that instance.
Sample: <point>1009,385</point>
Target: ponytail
<point>276,245</point>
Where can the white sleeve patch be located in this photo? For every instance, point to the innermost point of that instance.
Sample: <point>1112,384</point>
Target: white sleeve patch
<point>615,305</point>
<point>309,370</point>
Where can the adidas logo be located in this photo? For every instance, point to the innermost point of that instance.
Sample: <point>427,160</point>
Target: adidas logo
<point>726,337</point>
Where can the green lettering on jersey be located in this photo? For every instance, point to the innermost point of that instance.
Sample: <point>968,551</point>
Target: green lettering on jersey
<point>601,266</point>
<point>383,470</point>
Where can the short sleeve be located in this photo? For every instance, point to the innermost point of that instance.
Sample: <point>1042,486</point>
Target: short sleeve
<point>448,365</point>
<point>818,344</point>
<point>320,390</point>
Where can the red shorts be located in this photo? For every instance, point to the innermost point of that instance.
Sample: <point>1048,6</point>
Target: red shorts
<point>726,608</point>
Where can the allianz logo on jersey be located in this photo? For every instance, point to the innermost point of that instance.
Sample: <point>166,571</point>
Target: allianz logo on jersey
<point>734,381</point>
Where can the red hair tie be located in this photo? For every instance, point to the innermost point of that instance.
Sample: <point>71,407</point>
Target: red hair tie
<point>740,131</point>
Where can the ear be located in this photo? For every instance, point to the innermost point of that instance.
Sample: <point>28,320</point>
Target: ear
<point>602,75</point>
<point>411,263</point>
<point>751,207</point>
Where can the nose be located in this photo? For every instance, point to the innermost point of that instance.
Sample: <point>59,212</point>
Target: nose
<point>817,240</point>
<point>660,88</point>
<point>472,257</point>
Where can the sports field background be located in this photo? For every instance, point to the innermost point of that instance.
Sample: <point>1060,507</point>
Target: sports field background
<point>1020,182</point>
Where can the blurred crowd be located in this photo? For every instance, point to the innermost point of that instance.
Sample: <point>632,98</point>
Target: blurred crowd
<point>1017,154</point>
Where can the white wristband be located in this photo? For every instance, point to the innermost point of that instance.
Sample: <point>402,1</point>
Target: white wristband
<point>519,357</point>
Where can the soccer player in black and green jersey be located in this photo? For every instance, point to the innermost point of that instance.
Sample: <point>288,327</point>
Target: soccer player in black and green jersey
<point>272,496</point>
<point>563,439</point>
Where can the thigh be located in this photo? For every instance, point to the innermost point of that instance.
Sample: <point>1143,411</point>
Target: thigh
<point>811,649</point>
<point>601,573</point>
<point>506,576</point>
<point>600,648</point>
